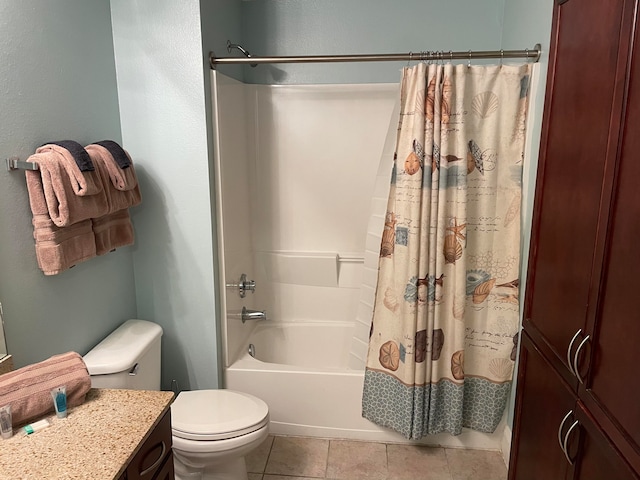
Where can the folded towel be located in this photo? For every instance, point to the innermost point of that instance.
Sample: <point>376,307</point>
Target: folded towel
<point>120,185</point>
<point>57,249</point>
<point>79,154</point>
<point>28,389</point>
<point>112,156</point>
<point>71,195</point>
<point>112,231</point>
<point>82,182</point>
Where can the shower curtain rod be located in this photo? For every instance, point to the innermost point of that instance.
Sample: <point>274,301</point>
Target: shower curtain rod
<point>214,61</point>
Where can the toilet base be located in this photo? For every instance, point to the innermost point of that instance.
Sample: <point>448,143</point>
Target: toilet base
<point>233,469</point>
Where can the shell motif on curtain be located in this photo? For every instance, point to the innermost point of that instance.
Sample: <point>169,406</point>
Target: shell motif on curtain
<point>445,324</point>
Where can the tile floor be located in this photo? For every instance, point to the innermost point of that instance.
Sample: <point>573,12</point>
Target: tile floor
<point>301,458</point>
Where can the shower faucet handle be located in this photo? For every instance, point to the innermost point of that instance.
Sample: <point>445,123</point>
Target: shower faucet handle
<point>243,285</point>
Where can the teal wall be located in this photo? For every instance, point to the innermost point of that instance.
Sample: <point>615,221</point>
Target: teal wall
<point>527,22</point>
<point>163,111</point>
<point>294,27</point>
<point>58,81</point>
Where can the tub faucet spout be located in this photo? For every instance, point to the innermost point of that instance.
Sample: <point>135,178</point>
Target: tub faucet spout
<point>253,314</point>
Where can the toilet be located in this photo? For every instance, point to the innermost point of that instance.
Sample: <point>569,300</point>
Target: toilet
<point>213,430</point>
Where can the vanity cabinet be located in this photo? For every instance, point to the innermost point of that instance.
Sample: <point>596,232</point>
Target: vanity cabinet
<point>154,460</point>
<point>578,384</point>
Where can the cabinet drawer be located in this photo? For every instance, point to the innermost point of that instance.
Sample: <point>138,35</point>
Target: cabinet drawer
<point>149,460</point>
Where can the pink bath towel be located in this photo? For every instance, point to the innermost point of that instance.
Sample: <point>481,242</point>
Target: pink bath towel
<point>71,195</point>
<point>112,231</point>
<point>28,389</point>
<point>57,249</point>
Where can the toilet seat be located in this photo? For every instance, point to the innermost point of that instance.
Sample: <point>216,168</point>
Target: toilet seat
<point>210,415</point>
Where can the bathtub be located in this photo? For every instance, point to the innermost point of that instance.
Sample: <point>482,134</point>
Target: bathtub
<point>300,371</point>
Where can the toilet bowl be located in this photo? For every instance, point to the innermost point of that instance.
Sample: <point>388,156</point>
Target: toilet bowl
<point>213,430</point>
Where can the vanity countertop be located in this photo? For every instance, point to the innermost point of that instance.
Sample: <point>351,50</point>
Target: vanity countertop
<point>96,441</point>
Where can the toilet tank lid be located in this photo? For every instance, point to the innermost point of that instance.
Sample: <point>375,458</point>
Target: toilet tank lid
<point>123,348</point>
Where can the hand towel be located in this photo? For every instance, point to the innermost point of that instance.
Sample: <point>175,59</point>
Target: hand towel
<point>79,154</point>
<point>120,185</point>
<point>28,389</point>
<point>71,195</point>
<point>57,249</point>
<point>119,155</point>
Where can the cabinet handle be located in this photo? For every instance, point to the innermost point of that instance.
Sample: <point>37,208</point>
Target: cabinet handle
<point>569,351</point>
<point>566,417</point>
<point>566,441</point>
<point>576,357</point>
<point>156,463</point>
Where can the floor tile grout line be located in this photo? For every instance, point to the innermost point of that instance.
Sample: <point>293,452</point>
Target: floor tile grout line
<point>326,466</point>
<point>264,469</point>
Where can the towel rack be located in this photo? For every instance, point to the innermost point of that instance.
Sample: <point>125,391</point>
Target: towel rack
<point>14,163</point>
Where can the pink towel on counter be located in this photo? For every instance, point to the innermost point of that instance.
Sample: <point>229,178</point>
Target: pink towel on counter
<point>57,249</point>
<point>71,195</point>
<point>28,389</point>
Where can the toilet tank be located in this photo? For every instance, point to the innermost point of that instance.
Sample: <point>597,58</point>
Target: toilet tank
<point>128,358</point>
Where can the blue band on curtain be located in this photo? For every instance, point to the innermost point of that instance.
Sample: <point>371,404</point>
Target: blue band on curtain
<point>442,407</point>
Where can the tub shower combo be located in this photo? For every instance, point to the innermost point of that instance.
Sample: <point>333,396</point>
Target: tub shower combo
<point>302,176</point>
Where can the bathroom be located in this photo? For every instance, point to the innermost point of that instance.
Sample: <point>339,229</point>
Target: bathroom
<point>137,73</point>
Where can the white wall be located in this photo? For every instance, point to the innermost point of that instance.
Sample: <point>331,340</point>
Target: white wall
<point>317,154</point>
<point>298,165</point>
<point>163,111</point>
<point>234,135</point>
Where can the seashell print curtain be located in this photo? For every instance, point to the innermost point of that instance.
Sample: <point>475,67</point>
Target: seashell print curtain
<point>445,324</point>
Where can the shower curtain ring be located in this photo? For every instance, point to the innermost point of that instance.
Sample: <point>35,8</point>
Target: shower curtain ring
<point>450,56</point>
<point>410,58</point>
<point>501,56</point>
<point>526,51</point>
<point>469,64</point>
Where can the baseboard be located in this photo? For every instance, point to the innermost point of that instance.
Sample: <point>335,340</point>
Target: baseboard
<point>505,446</point>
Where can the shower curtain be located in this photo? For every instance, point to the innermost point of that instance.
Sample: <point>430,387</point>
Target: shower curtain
<point>443,338</point>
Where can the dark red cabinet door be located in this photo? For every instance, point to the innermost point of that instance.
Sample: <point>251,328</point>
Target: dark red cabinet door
<point>582,92</point>
<point>599,459</point>
<point>613,384</point>
<point>543,401</point>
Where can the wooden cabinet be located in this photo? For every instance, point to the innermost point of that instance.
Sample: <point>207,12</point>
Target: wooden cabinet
<point>544,402</point>
<point>558,437</point>
<point>581,318</point>
<point>154,459</point>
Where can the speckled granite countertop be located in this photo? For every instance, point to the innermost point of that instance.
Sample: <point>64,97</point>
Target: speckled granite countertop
<point>96,441</point>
